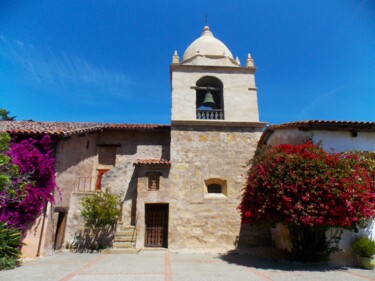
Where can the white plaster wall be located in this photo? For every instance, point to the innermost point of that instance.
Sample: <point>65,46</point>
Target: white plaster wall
<point>342,141</point>
<point>240,103</point>
<point>338,140</point>
<point>291,136</point>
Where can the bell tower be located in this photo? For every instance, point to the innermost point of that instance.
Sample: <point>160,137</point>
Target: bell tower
<point>214,132</point>
<point>209,85</point>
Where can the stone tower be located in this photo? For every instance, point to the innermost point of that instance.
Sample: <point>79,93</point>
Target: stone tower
<point>208,65</point>
<point>214,133</point>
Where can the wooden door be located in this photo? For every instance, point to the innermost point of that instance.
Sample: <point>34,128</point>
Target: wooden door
<point>60,230</point>
<point>156,225</point>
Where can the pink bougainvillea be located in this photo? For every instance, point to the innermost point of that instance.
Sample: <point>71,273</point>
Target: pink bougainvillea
<point>310,191</point>
<point>34,157</point>
<point>305,185</point>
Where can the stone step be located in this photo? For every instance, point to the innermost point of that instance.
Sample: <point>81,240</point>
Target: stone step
<point>126,232</point>
<point>121,251</point>
<point>121,238</point>
<point>126,228</point>
<point>123,245</point>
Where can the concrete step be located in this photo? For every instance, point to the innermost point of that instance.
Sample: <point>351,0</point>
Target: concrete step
<point>120,251</point>
<point>123,245</point>
<point>121,238</point>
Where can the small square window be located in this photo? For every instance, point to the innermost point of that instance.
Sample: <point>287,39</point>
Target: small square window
<point>107,156</point>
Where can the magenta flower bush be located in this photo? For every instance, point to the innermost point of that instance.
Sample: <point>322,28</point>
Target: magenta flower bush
<point>310,191</point>
<point>34,157</point>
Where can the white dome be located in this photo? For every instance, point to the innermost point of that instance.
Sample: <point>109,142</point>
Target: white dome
<point>208,46</point>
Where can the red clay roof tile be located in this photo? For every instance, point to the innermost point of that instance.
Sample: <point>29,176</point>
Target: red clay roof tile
<point>324,124</point>
<point>69,128</point>
<point>152,162</point>
<point>332,125</point>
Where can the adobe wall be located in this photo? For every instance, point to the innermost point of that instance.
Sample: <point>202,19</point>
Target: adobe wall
<point>76,233</point>
<point>75,159</point>
<point>120,179</point>
<point>39,238</point>
<point>145,144</point>
<point>199,220</point>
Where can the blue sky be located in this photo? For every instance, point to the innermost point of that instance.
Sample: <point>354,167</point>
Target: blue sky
<point>108,61</point>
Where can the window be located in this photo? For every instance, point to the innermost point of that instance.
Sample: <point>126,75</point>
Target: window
<point>209,98</point>
<point>215,188</point>
<point>101,172</point>
<point>107,155</point>
<point>153,181</point>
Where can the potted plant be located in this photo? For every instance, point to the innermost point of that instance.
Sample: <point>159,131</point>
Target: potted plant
<point>364,247</point>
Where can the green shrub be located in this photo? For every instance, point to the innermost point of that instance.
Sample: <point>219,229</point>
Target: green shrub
<point>364,247</point>
<point>102,209</point>
<point>10,246</point>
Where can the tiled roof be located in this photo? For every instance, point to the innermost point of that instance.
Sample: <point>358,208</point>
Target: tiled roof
<point>313,124</point>
<point>134,126</point>
<point>152,162</point>
<point>331,125</point>
<point>68,128</point>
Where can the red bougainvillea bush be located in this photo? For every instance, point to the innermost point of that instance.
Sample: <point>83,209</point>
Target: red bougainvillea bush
<point>34,158</point>
<point>309,190</point>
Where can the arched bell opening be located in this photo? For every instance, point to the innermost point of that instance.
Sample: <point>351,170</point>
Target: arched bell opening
<point>209,98</point>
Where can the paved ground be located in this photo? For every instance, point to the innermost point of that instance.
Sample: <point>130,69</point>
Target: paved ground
<point>162,265</point>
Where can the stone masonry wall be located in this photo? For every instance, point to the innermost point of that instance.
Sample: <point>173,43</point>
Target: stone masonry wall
<point>198,220</point>
<point>146,196</point>
<point>120,179</point>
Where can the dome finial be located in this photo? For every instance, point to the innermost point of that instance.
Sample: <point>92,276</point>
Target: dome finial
<point>207,31</point>
<point>175,58</point>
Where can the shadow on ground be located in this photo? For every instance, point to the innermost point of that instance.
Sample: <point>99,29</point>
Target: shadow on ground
<point>259,262</point>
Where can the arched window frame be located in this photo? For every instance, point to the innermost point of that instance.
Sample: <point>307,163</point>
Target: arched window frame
<point>215,180</point>
<point>215,86</point>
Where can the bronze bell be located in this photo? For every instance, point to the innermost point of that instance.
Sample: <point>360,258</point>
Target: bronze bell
<point>208,99</point>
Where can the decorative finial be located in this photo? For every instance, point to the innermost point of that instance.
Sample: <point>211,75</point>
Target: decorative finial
<point>206,21</point>
<point>175,58</point>
<point>238,61</point>
<point>249,61</point>
<point>207,31</point>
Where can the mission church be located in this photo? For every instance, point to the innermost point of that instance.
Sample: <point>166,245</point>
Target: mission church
<point>180,183</point>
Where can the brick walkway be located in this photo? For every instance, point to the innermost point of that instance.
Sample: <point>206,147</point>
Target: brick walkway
<point>162,265</point>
